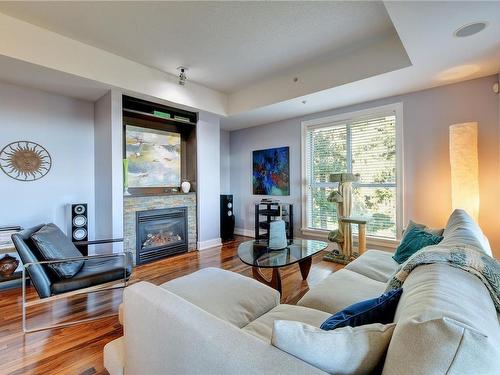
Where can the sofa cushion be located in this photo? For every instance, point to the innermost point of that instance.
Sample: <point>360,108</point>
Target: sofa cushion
<point>341,289</point>
<point>262,327</point>
<point>375,264</point>
<point>461,230</point>
<point>440,346</point>
<point>114,356</point>
<point>413,241</point>
<point>342,351</point>
<point>431,293</point>
<point>54,245</point>
<point>165,334</point>
<point>232,297</point>
<point>375,310</point>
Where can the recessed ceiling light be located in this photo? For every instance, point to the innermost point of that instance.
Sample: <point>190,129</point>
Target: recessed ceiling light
<point>304,101</point>
<point>470,29</point>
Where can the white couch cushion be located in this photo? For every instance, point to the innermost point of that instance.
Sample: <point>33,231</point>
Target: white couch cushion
<point>114,353</point>
<point>262,327</point>
<point>461,230</point>
<point>430,294</point>
<point>375,264</point>
<point>341,289</point>
<point>165,334</point>
<point>232,297</point>
<point>342,351</point>
<point>440,346</point>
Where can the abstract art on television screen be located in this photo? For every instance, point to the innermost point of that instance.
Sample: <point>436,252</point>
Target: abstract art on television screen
<point>271,171</point>
<point>153,157</point>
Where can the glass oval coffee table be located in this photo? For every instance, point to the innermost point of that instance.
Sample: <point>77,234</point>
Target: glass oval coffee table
<point>256,254</point>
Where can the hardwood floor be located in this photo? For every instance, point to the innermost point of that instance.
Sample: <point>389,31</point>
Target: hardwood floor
<point>78,349</point>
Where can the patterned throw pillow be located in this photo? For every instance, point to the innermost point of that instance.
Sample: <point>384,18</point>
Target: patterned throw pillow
<point>412,224</point>
<point>414,240</point>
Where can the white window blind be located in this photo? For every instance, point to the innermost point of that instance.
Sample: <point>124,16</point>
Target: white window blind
<point>366,146</point>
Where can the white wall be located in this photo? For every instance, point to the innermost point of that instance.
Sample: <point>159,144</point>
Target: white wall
<point>427,116</point>
<point>208,179</point>
<point>224,162</point>
<point>65,127</point>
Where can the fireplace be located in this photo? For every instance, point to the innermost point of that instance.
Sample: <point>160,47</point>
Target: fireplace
<point>160,233</point>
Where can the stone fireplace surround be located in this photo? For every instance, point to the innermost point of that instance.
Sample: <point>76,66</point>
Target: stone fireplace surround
<point>132,204</point>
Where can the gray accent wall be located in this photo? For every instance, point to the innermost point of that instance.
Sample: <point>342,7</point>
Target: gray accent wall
<point>242,143</point>
<point>224,162</point>
<point>427,116</point>
<point>208,184</point>
<point>108,146</point>
<point>65,127</point>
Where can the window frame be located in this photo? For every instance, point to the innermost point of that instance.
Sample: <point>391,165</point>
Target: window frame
<point>385,110</point>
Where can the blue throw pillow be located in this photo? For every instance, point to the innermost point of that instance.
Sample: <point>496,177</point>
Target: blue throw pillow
<point>413,241</point>
<point>376,310</point>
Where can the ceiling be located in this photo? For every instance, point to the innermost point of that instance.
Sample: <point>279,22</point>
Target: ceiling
<point>25,74</point>
<point>270,57</point>
<point>225,45</point>
<point>438,58</point>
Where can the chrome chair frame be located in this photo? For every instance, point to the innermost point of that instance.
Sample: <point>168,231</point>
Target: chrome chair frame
<point>88,290</point>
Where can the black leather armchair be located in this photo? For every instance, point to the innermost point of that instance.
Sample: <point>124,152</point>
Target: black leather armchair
<point>97,270</point>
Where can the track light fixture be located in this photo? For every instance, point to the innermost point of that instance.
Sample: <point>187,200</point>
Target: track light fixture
<point>182,75</point>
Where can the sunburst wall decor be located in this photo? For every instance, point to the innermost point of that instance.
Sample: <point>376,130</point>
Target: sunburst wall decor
<point>25,161</point>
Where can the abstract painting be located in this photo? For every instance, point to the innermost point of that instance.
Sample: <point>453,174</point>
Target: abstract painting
<point>153,157</point>
<point>271,171</point>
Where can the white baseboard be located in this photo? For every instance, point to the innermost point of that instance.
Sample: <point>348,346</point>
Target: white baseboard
<point>202,245</point>
<point>244,232</point>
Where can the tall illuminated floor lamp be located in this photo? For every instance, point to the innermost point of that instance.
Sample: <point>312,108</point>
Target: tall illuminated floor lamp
<point>464,168</point>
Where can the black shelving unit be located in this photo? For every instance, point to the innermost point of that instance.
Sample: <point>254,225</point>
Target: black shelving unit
<point>266,212</point>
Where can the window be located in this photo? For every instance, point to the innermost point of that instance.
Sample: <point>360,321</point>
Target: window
<point>366,143</point>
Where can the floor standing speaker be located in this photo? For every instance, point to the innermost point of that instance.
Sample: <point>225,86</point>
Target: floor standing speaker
<point>80,225</point>
<point>226,217</point>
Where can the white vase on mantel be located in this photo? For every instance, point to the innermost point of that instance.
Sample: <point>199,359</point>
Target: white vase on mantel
<point>185,186</point>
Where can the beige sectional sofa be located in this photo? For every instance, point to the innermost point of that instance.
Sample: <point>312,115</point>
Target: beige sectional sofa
<point>218,322</point>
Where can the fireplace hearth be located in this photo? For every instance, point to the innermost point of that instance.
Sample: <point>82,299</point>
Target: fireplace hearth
<point>160,233</point>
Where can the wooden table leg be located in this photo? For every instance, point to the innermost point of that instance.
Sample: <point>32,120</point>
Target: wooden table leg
<point>305,267</point>
<point>275,281</point>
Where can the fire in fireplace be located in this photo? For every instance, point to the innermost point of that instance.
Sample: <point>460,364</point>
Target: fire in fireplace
<point>160,238</point>
<point>161,233</point>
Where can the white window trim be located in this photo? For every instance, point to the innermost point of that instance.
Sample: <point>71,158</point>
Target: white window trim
<point>397,109</point>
